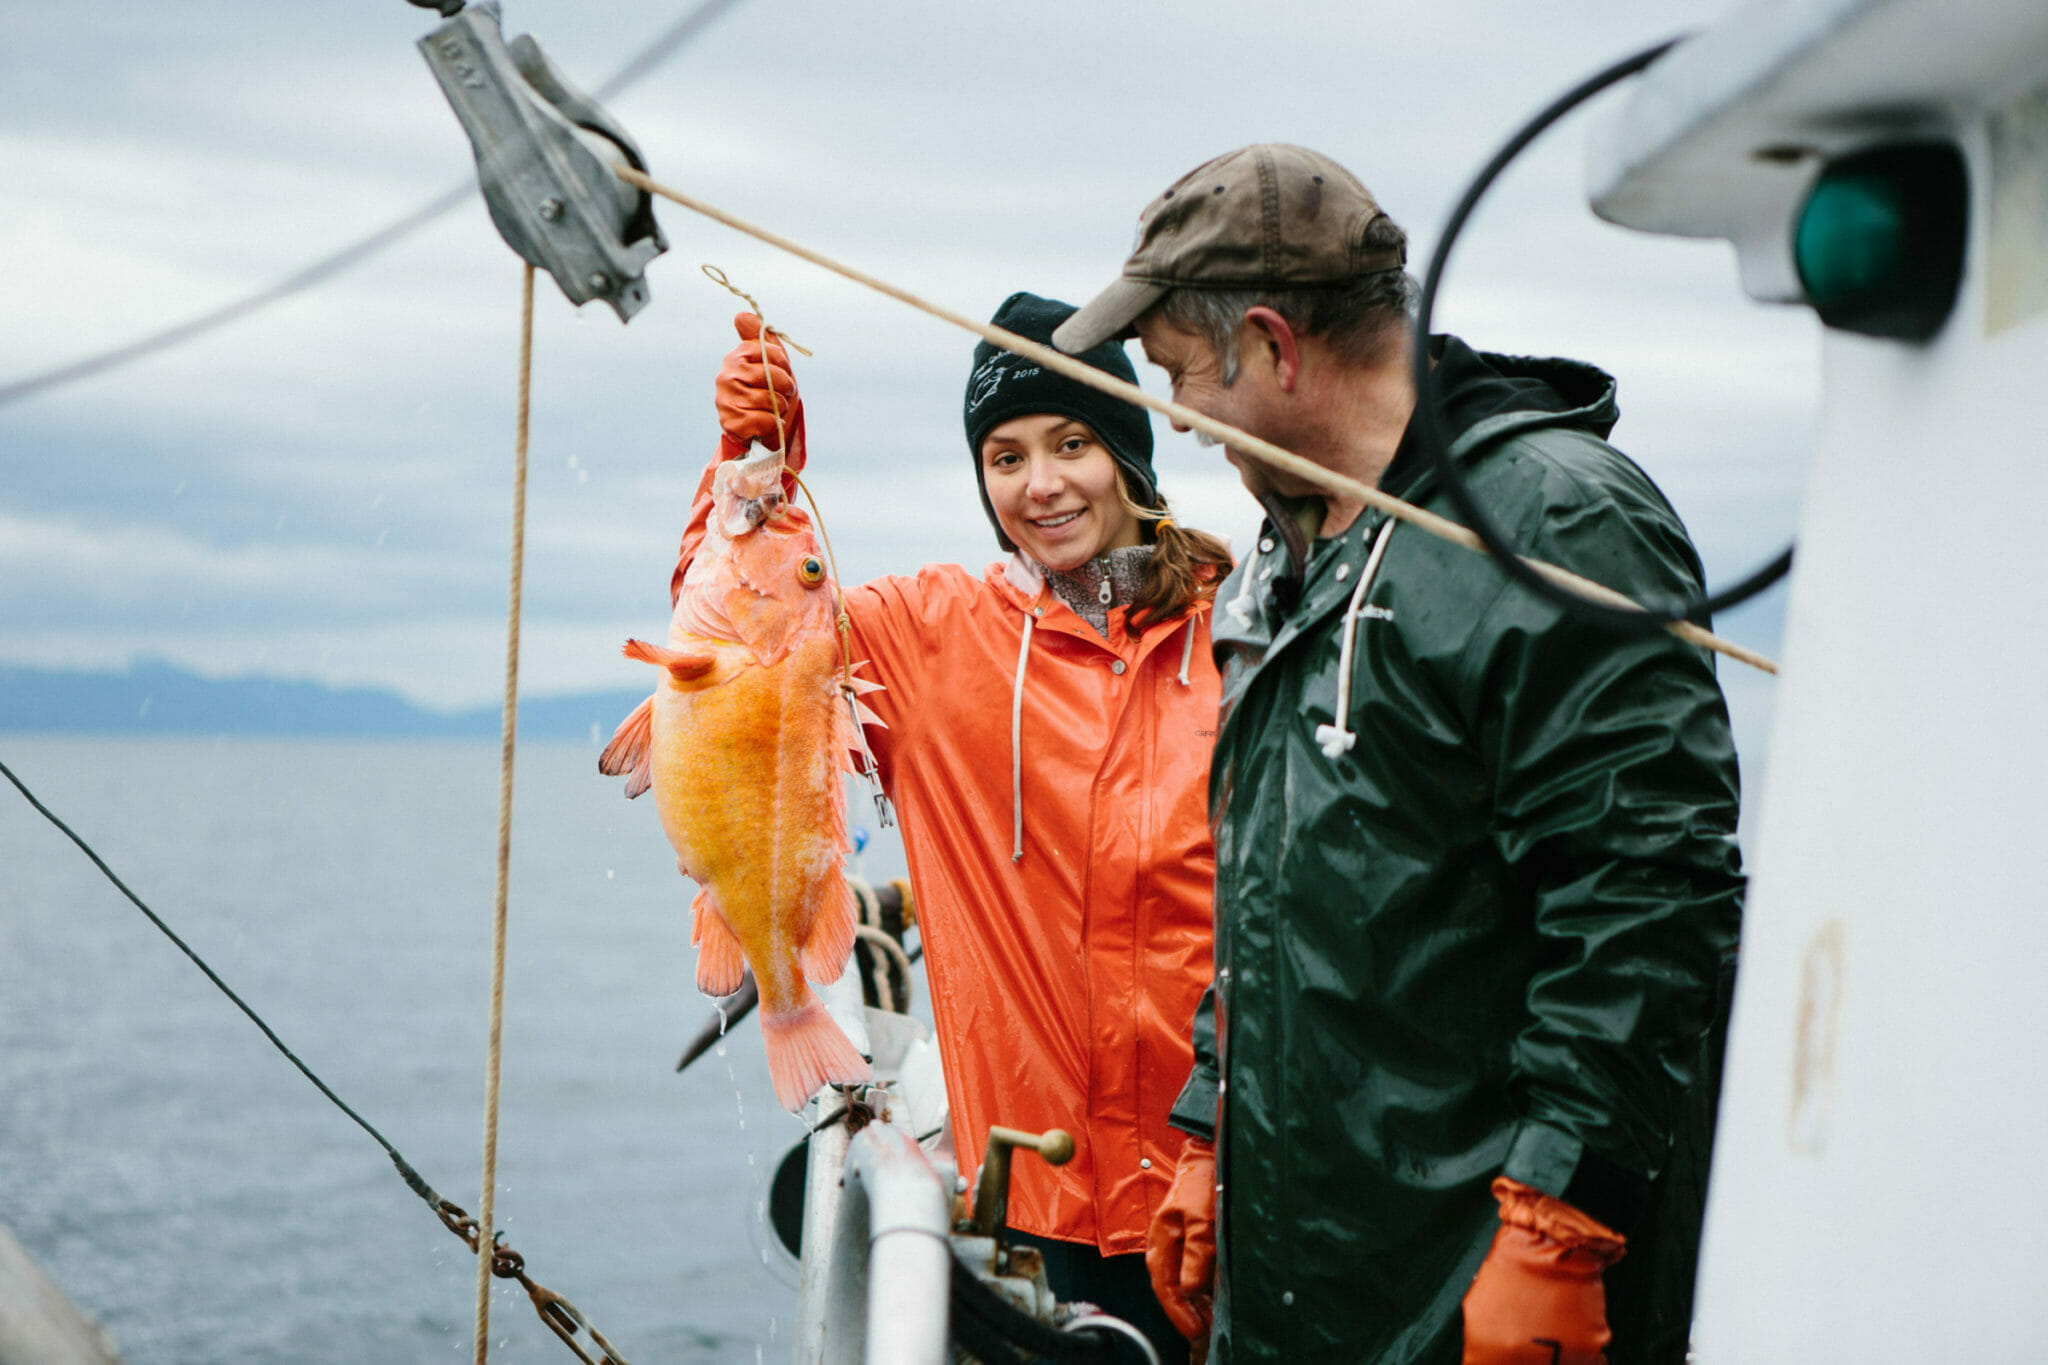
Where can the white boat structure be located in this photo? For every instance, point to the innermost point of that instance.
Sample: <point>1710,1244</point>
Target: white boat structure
<point>1885,1106</point>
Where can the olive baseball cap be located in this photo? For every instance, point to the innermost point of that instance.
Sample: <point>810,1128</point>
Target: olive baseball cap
<point>1268,216</point>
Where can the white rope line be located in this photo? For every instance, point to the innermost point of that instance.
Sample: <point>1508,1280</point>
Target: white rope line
<point>1243,441</point>
<point>1337,739</point>
<point>507,728</point>
<point>1017,742</point>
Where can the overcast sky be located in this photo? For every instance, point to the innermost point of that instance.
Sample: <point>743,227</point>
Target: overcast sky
<point>324,491</point>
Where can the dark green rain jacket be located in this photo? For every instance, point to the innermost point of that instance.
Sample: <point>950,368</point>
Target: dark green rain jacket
<point>1494,936</point>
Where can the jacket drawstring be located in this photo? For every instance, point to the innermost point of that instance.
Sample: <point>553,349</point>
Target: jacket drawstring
<point>1241,606</point>
<point>1187,651</point>
<point>1337,739</point>
<point>1017,743</point>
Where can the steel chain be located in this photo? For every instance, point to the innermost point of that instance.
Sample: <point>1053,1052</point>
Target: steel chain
<point>562,1317</point>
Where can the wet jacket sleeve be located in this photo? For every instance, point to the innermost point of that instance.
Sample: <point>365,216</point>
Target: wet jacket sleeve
<point>1195,1111</point>
<point>1615,808</point>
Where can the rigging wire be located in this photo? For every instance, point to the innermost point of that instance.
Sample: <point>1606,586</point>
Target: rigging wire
<point>562,1317</point>
<point>670,41</point>
<point>412,1177</point>
<point>1241,441</point>
<point>1532,574</point>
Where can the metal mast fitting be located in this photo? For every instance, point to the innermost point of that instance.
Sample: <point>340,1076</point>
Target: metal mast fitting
<point>545,157</point>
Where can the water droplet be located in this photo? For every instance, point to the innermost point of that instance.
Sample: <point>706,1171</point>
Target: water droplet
<point>721,1049</point>
<point>583,476</point>
<point>608,874</point>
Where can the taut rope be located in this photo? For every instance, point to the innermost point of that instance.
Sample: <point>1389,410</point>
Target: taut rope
<point>508,727</point>
<point>1306,470</point>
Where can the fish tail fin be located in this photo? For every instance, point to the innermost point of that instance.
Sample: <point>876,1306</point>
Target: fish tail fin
<point>632,750</point>
<point>807,1050</point>
<point>683,665</point>
<point>721,966</point>
<point>829,943</point>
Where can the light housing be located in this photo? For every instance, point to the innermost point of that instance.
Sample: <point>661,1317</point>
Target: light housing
<point>1879,242</point>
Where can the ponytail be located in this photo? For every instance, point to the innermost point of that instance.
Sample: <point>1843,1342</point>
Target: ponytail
<point>1186,566</point>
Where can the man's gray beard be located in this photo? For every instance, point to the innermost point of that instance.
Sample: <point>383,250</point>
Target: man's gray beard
<point>1203,438</point>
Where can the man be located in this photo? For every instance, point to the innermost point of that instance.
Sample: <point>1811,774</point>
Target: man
<point>1477,886</point>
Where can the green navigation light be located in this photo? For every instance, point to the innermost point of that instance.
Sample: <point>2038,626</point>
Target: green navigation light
<point>1879,244</point>
<point>1851,240</point>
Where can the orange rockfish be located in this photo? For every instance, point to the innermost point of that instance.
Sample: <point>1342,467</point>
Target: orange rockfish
<point>743,743</point>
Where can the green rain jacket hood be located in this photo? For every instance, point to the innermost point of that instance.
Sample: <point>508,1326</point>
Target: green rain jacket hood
<point>1493,935</point>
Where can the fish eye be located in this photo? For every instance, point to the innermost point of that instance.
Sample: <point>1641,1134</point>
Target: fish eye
<point>810,572</point>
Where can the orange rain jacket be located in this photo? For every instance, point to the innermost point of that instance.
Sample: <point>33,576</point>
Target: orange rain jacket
<point>1063,980</point>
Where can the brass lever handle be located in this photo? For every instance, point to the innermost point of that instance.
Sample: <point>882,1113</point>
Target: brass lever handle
<point>992,1189</point>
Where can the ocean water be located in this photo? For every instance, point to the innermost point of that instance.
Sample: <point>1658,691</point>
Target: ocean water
<point>193,1193</point>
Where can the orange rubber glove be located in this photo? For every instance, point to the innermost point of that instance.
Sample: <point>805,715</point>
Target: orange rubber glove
<point>1538,1298</point>
<point>1180,1246</point>
<point>745,416</point>
<point>745,413</point>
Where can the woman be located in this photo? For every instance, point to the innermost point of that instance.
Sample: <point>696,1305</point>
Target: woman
<point>1049,728</point>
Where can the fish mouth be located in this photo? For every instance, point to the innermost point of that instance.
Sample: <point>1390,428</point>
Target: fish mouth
<point>759,511</point>
<point>754,485</point>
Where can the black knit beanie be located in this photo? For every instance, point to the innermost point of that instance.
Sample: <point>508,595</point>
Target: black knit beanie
<point>1005,385</point>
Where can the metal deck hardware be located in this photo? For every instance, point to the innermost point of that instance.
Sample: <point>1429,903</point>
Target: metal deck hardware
<point>545,157</point>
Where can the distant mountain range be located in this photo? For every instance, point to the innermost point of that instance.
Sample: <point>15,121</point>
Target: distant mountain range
<point>154,697</point>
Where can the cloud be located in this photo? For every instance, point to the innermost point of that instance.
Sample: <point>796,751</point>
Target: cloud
<point>329,484</point>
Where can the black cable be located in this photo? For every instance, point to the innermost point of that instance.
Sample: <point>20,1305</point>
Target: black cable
<point>981,1317</point>
<point>1654,616</point>
<point>297,283</point>
<point>646,60</point>
<point>662,48</point>
<point>412,1178</point>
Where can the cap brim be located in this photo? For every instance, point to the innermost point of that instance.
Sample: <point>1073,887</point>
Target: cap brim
<point>1108,314</point>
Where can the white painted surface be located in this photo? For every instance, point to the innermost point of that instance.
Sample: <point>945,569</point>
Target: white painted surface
<point>1885,1114</point>
<point>38,1325</point>
<point>1723,136</point>
<point>1886,1213</point>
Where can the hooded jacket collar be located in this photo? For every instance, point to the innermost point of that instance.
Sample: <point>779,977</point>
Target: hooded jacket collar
<point>1485,399</point>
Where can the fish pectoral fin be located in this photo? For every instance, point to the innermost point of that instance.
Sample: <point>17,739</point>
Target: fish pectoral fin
<point>829,942</point>
<point>683,665</point>
<point>721,966</point>
<point>631,752</point>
